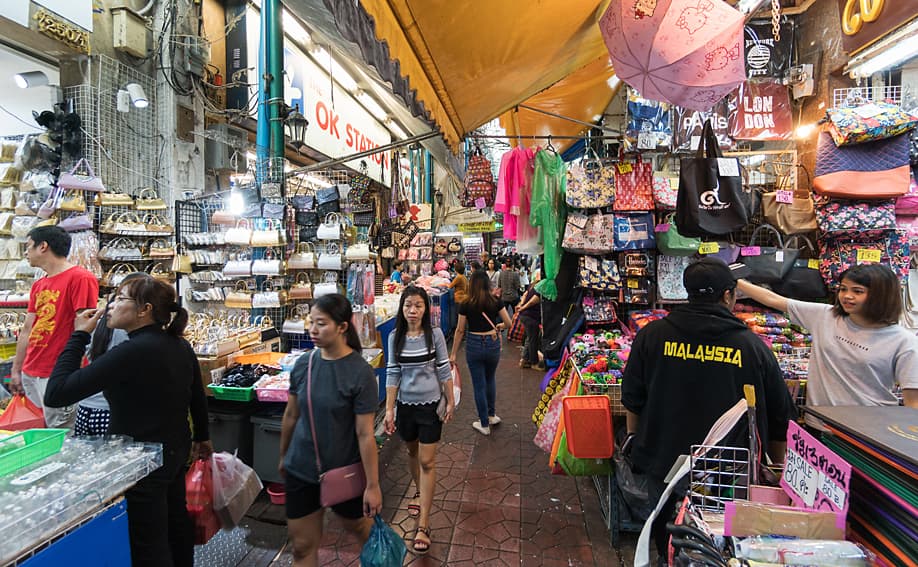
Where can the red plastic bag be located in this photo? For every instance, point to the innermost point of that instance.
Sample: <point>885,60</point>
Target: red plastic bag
<point>199,501</point>
<point>22,414</point>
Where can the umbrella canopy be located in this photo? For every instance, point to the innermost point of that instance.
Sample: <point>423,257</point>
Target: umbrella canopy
<point>686,52</point>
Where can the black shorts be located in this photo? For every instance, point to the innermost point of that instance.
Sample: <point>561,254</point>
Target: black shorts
<point>419,422</point>
<point>303,500</point>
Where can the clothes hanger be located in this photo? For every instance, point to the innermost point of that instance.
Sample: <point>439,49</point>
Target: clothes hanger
<point>550,147</point>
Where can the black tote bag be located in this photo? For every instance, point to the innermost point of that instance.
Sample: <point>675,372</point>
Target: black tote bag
<point>772,263</point>
<point>803,281</point>
<point>711,200</point>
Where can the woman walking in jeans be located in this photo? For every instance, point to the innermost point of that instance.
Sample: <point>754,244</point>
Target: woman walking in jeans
<point>485,317</point>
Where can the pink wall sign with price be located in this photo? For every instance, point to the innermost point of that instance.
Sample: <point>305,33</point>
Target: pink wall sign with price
<point>815,477</point>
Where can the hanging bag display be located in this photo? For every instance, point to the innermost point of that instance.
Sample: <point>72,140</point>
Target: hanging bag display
<point>149,200</point>
<point>269,265</point>
<point>239,235</point>
<point>665,190</point>
<point>327,287</point>
<point>711,198</point>
<point>81,181</point>
<point>479,182</point>
<point>590,185</point>
<point>331,258</point>
<point>331,228</point>
<point>669,277</point>
<point>768,264</point>
<point>239,267</point>
<point>837,215</point>
<point>633,186</point>
<point>600,274</point>
<point>589,234</point>
<point>671,242</point>
<point>268,297</point>
<point>304,258</point>
<point>301,288</point>
<point>868,123</point>
<point>328,200</point>
<point>874,170</point>
<point>791,218</point>
<point>837,253</point>
<point>240,297</point>
<point>908,204</point>
<point>296,324</point>
<point>803,281</point>
<point>72,201</point>
<point>634,231</point>
<point>271,234</point>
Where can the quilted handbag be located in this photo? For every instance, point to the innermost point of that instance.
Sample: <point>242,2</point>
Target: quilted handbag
<point>791,218</point>
<point>803,281</point>
<point>304,258</point>
<point>479,182</point>
<point>853,216</point>
<point>589,234</point>
<point>665,191</point>
<point>873,170</point>
<point>768,264</point>
<point>669,277</point>
<point>908,204</point>
<point>838,253</point>
<point>80,181</point>
<point>590,185</point>
<point>634,231</point>
<point>670,242</point>
<point>868,123</point>
<point>633,186</point>
<point>600,274</point>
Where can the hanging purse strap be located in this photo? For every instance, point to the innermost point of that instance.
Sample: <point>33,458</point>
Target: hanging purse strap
<point>312,421</point>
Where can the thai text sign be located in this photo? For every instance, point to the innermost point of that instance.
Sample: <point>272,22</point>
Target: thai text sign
<point>814,477</point>
<point>477,227</point>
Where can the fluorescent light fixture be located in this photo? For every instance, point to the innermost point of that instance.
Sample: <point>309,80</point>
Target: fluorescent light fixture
<point>895,49</point>
<point>138,97</point>
<point>396,131</point>
<point>339,73</point>
<point>294,29</point>
<point>30,79</point>
<point>375,109</point>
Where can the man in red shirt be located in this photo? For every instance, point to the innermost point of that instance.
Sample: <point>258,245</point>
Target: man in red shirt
<point>53,304</point>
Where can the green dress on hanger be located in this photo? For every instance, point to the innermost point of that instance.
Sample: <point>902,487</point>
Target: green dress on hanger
<point>549,213</point>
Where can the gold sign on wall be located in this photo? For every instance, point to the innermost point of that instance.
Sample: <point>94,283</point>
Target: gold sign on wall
<point>858,12</point>
<point>62,31</point>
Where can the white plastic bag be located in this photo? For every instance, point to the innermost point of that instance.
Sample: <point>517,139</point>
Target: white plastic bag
<point>236,486</point>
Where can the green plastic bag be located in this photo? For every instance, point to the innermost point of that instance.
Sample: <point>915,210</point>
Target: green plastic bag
<point>383,548</point>
<point>581,467</point>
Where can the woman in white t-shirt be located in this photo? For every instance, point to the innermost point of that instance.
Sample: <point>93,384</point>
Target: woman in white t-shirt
<point>860,352</point>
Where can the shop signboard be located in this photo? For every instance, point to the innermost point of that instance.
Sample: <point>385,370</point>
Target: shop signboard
<point>814,477</point>
<point>78,12</point>
<point>475,227</point>
<point>864,22</point>
<point>338,125</point>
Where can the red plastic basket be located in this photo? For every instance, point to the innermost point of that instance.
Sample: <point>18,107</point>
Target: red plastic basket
<point>588,423</point>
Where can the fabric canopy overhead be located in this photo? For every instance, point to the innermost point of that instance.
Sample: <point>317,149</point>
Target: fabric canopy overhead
<point>471,61</point>
<point>583,95</point>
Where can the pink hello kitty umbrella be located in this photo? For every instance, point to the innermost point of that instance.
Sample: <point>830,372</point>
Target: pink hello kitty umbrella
<point>686,52</point>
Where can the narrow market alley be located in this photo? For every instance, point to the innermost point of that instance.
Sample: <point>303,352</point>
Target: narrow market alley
<point>496,501</point>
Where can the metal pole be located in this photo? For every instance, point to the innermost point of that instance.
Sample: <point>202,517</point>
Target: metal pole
<point>262,133</point>
<point>338,161</point>
<point>568,118</point>
<point>275,48</point>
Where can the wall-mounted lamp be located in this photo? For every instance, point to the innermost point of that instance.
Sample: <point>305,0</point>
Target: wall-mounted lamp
<point>138,97</point>
<point>30,79</point>
<point>296,125</point>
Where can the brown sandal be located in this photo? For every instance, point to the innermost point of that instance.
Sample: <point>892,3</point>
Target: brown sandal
<point>414,510</point>
<point>420,546</point>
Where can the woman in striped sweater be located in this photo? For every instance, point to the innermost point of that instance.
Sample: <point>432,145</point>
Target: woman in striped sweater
<point>417,371</point>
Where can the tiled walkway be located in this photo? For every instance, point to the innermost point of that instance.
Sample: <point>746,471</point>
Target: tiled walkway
<point>496,502</point>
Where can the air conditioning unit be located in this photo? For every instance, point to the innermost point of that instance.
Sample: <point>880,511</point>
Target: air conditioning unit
<point>222,141</point>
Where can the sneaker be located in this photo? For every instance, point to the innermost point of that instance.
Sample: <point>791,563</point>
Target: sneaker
<point>480,429</point>
<point>493,420</point>
<point>524,364</point>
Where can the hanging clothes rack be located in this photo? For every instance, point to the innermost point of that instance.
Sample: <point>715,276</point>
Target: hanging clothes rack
<point>541,137</point>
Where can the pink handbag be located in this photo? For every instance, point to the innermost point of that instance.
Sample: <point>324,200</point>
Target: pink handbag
<point>908,204</point>
<point>339,484</point>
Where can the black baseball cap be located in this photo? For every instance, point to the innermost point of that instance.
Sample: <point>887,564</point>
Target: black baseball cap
<point>707,277</point>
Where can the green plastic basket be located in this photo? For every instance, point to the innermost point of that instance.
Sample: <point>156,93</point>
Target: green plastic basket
<point>233,394</point>
<point>30,446</point>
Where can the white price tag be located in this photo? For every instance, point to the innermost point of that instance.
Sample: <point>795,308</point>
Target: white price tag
<point>868,110</point>
<point>779,256</point>
<point>801,476</point>
<point>694,143</point>
<point>592,264</point>
<point>647,141</point>
<point>728,167</point>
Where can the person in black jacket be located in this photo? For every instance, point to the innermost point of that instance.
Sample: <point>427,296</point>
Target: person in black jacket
<point>689,368</point>
<point>151,381</point>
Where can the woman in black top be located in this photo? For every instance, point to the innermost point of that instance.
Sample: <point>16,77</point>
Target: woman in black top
<point>151,382</point>
<point>344,397</point>
<point>485,317</point>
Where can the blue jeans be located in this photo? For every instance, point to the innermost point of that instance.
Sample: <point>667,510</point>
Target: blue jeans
<point>482,353</point>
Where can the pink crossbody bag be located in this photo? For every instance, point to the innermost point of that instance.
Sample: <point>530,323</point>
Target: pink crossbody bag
<point>340,484</point>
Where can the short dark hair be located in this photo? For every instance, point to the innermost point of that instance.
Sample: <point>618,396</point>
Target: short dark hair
<point>57,238</point>
<point>397,264</point>
<point>167,313</point>
<point>884,298</point>
<point>459,267</point>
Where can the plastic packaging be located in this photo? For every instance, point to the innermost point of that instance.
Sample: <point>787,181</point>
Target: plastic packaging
<point>384,548</point>
<point>811,552</point>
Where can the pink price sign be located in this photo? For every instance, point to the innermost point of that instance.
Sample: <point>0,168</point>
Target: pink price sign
<point>814,477</point>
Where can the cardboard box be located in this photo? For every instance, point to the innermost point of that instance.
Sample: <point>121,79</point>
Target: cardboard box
<point>743,519</point>
<point>273,345</point>
<point>208,367</point>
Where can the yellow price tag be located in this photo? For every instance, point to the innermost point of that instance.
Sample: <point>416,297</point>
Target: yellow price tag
<point>813,264</point>
<point>868,255</point>
<point>633,284</point>
<point>709,248</point>
<point>624,168</point>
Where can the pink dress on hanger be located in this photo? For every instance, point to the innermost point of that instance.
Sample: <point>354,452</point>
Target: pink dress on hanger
<point>503,201</point>
<point>527,236</point>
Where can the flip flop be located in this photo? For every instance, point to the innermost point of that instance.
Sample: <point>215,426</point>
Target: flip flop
<point>420,546</point>
<point>414,510</point>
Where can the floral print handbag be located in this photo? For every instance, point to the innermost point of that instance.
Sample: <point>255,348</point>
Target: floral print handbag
<point>837,253</point>
<point>599,274</point>
<point>589,234</point>
<point>669,277</point>
<point>590,185</point>
<point>838,215</point>
<point>868,122</point>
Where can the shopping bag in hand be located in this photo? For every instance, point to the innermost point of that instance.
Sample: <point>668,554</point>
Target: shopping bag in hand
<point>22,414</point>
<point>384,548</point>
<point>199,498</point>
<point>236,486</point>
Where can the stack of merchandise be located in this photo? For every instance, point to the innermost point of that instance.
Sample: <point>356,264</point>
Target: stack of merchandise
<point>775,329</point>
<point>637,320</point>
<point>600,356</point>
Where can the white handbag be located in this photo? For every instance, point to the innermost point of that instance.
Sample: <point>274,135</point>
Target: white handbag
<point>296,325</point>
<point>331,228</point>
<point>328,287</point>
<point>270,265</point>
<point>239,235</point>
<point>359,252</point>
<point>268,297</point>
<point>238,268</point>
<point>304,258</point>
<point>330,259</point>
